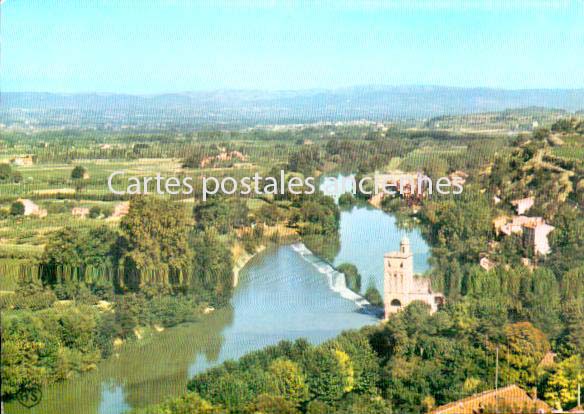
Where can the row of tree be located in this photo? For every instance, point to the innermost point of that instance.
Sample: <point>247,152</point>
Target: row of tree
<point>412,364</point>
<point>156,269</point>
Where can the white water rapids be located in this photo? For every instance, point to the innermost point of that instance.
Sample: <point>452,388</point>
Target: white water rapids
<point>336,280</point>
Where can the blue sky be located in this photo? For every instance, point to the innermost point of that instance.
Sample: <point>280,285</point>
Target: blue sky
<point>124,46</point>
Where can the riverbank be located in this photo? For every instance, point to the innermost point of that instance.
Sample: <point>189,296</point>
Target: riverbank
<point>281,295</point>
<point>242,257</point>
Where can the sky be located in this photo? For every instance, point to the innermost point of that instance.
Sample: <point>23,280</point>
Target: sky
<point>164,46</point>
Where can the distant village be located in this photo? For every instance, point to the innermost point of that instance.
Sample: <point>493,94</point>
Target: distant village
<point>534,230</point>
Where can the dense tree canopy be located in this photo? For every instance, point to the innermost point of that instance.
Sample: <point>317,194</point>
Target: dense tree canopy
<point>79,172</point>
<point>154,246</point>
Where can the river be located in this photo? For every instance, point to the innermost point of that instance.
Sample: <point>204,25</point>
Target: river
<point>283,293</point>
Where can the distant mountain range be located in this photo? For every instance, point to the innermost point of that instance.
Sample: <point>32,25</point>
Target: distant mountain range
<point>376,103</point>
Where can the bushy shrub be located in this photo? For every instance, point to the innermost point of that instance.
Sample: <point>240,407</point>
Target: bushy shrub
<point>94,212</point>
<point>346,200</point>
<point>373,296</point>
<point>47,346</point>
<point>17,208</point>
<point>352,276</point>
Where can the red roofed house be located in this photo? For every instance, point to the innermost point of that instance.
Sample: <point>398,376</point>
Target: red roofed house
<point>509,399</point>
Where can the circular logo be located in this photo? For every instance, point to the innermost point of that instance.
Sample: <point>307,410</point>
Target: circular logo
<point>30,396</point>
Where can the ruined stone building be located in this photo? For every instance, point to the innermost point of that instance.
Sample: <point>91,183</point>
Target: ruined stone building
<point>401,286</point>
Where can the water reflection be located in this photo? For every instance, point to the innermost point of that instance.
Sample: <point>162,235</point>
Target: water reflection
<point>112,399</point>
<point>280,296</point>
<point>367,234</point>
<point>144,372</point>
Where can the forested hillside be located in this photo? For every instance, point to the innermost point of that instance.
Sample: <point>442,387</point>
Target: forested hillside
<point>75,289</point>
<point>521,309</point>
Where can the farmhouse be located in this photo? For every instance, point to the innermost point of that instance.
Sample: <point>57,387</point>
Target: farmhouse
<point>22,160</point>
<point>31,209</point>
<point>534,230</point>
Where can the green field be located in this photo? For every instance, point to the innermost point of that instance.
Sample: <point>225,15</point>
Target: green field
<point>572,148</point>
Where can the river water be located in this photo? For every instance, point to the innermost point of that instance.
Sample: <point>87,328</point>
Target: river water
<point>284,292</point>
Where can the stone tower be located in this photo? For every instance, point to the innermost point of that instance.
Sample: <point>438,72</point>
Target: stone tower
<point>401,286</point>
<point>398,274</point>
